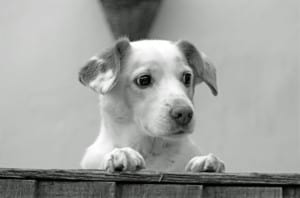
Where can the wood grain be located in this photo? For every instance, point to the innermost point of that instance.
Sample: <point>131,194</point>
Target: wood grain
<point>14,188</point>
<point>31,183</point>
<point>291,192</point>
<point>155,177</point>
<point>76,189</point>
<point>242,192</point>
<point>159,191</point>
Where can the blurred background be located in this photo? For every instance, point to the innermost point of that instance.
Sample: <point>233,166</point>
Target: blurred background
<point>47,118</point>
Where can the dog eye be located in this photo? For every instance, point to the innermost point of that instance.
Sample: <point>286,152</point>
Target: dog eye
<point>143,81</point>
<point>187,79</point>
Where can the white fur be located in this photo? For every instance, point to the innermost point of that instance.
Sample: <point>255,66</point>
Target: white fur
<point>136,130</point>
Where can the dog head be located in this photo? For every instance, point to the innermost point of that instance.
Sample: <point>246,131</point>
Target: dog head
<point>150,83</point>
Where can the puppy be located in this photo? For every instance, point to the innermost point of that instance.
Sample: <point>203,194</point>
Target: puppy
<point>146,93</point>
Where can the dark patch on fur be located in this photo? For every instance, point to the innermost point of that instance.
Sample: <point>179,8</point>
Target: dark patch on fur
<point>202,72</point>
<point>192,57</point>
<point>89,72</point>
<point>109,59</point>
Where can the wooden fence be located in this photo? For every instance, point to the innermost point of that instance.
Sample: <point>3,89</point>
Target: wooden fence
<point>29,183</point>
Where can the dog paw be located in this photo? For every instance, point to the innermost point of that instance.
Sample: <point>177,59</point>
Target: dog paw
<point>123,159</point>
<point>207,163</point>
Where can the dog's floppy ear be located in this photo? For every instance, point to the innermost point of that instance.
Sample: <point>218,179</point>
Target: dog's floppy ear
<point>203,69</point>
<point>101,72</point>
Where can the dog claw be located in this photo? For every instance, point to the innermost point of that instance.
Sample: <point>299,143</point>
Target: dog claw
<point>119,168</point>
<point>207,163</point>
<point>123,159</point>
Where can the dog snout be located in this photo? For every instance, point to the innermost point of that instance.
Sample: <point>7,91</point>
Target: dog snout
<point>182,115</point>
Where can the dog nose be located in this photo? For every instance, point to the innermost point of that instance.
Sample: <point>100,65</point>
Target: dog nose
<point>182,114</point>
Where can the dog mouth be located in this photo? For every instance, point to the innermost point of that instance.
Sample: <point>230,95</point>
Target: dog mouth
<point>180,132</point>
<point>175,133</point>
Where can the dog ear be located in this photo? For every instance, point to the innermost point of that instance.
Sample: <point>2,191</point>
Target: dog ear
<point>203,69</point>
<point>101,72</point>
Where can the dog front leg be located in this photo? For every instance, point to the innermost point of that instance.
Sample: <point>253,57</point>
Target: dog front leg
<point>93,158</point>
<point>117,159</point>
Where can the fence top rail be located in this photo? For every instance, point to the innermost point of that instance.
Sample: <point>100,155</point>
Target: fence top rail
<point>153,177</point>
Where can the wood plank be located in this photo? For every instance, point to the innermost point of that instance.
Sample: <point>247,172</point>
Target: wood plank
<point>241,192</point>
<point>155,177</point>
<point>159,191</point>
<point>17,188</point>
<point>76,189</point>
<point>291,192</point>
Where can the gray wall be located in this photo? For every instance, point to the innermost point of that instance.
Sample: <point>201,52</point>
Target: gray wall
<point>47,118</point>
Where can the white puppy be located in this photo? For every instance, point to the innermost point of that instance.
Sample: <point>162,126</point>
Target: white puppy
<point>146,93</point>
